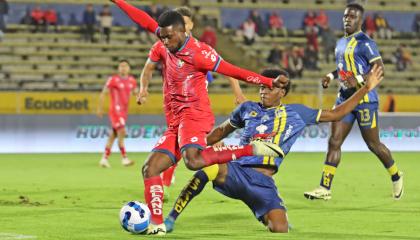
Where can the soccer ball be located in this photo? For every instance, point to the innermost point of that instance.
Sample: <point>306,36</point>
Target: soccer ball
<point>135,217</point>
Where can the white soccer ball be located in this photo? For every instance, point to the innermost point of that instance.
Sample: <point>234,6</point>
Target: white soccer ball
<point>135,217</point>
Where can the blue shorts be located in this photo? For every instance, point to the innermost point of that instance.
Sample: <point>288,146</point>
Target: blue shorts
<point>255,189</point>
<point>365,113</point>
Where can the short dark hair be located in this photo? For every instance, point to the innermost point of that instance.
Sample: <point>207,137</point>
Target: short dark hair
<point>124,60</point>
<point>274,73</point>
<point>171,17</point>
<point>356,6</point>
<point>184,11</point>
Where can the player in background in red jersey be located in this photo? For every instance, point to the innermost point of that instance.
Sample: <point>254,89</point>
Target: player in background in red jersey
<point>120,87</point>
<point>168,176</point>
<point>185,63</point>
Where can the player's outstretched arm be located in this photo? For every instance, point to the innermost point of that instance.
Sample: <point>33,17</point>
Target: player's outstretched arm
<point>233,71</point>
<point>145,77</point>
<point>220,132</point>
<point>372,80</point>
<point>138,16</point>
<point>239,96</point>
<point>325,81</point>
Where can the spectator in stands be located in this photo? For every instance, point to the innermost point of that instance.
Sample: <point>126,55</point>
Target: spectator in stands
<point>309,22</point>
<point>73,21</point>
<point>382,27</point>
<point>310,58</point>
<point>295,63</point>
<point>89,21</point>
<point>276,25</point>
<point>105,21</point>
<point>322,20</point>
<point>248,28</point>
<point>312,38</point>
<point>4,10</point>
<point>37,18</point>
<point>328,43</point>
<point>50,19</point>
<point>416,24</point>
<point>209,36</point>
<point>261,27</point>
<point>369,26</point>
<point>275,56</point>
<point>154,11</point>
<point>402,58</point>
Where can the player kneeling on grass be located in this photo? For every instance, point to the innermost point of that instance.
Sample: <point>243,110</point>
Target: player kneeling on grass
<point>250,178</point>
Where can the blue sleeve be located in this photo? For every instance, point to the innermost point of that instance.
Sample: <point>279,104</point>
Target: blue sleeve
<point>309,115</point>
<point>370,51</point>
<point>210,78</point>
<point>236,117</point>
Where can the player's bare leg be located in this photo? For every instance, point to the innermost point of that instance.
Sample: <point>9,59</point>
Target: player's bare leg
<point>339,132</point>
<point>121,135</point>
<point>104,161</point>
<point>371,137</point>
<point>276,221</point>
<point>155,164</point>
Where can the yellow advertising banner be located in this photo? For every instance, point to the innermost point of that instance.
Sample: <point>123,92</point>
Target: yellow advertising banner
<point>222,104</point>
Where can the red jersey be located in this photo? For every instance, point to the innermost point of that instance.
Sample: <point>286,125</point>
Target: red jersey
<point>184,74</point>
<point>120,90</point>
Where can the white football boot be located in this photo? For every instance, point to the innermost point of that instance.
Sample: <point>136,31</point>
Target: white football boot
<point>104,163</point>
<point>158,230</point>
<point>318,193</point>
<point>398,187</point>
<point>260,148</point>
<point>127,162</point>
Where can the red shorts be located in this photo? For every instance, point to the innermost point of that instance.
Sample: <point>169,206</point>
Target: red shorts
<point>118,120</point>
<point>187,130</point>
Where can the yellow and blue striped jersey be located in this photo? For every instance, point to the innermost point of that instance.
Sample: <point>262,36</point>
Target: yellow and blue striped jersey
<point>354,54</point>
<point>281,125</point>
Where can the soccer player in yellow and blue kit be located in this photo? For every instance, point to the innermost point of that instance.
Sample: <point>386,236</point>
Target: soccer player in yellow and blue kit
<point>355,54</point>
<point>249,179</point>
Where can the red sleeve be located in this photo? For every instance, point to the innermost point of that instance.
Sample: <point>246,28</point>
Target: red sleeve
<point>231,70</point>
<point>109,82</point>
<point>138,16</point>
<point>206,58</point>
<point>155,52</point>
<point>134,82</point>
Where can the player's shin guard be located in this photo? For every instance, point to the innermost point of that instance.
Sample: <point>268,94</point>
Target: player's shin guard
<point>393,171</point>
<point>192,189</point>
<point>153,194</point>
<point>328,175</point>
<point>167,176</point>
<point>219,155</point>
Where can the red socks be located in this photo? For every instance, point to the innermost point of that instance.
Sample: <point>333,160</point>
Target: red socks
<point>167,176</point>
<point>123,153</point>
<point>153,194</point>
<point>107,152</point>
<point>219,155</point>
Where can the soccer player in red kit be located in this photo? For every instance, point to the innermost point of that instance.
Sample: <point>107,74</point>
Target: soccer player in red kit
<point>185,64</point>
<point>120,87</point>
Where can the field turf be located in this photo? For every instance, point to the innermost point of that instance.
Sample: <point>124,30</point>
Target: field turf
<point>67,196</point>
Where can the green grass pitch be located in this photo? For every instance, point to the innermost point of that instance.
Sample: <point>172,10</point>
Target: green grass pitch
<point>67,196</point>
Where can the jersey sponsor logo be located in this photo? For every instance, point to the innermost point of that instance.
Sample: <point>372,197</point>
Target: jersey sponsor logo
<point>261,128</point>
<point>288,132</point>
<point>194,139</point>
<point>62,104</point>
<point>180,63</point>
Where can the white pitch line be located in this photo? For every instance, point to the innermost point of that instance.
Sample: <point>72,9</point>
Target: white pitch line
<point>13,236</point>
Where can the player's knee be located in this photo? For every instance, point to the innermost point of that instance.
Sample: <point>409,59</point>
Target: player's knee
<point>334,143</point>
<point>374,147</point>
<point>191,159</point>
<point>278,228</point>
<point>149,170</point>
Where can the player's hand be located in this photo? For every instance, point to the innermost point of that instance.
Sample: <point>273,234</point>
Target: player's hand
<point>281,81</point>
<point>142,97</point>
<point>325,81</point>
<point>219,144</point>
<point>240,99</point>
<point>374,77</point>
